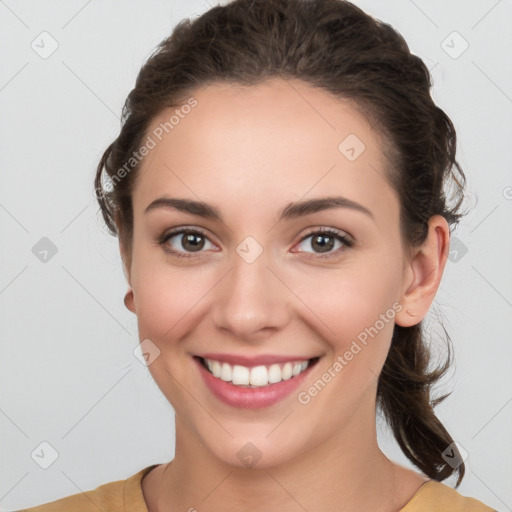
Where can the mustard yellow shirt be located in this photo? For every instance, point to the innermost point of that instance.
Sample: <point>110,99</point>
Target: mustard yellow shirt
<point>126,496</point>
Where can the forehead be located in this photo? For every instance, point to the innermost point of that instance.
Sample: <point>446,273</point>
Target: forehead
<point>277,141</point>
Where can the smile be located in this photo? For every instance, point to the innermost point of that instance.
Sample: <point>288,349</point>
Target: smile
<point>256,376</point>
<point>254,396</point>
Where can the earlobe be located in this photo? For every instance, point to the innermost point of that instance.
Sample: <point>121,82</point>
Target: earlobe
<point>129,301</point>
<point>424,273</point>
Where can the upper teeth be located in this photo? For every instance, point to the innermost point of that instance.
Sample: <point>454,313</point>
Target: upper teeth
<point>256,376</point>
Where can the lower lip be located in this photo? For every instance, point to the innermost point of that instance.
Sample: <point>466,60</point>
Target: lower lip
<point>251,398</point>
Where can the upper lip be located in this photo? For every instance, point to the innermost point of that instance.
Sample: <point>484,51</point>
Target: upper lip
<point>250,361</point>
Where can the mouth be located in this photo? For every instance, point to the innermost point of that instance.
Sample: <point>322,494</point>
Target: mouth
<point>256,377</point>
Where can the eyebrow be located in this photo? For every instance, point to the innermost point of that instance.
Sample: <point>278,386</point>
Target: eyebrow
<point>292,210</point>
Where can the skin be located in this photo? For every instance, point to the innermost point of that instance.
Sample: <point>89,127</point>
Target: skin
<point>249,151</point>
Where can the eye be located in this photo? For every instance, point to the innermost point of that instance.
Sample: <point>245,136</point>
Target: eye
<point>187,239</point>
<point>324,240</point>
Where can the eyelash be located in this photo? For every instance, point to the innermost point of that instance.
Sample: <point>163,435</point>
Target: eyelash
<point>345,240</point>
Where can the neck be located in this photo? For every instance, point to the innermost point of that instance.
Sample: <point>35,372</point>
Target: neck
<point>347,472</point>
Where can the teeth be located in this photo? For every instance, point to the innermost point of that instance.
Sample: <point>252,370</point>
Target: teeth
<point>286,372</point>
<point>240,375</point>
<point>215,367</point>
<point>274,374</point>
<point>257,376</point>
<point>226,372</point>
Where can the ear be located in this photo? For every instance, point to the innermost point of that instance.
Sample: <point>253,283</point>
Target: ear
<point>423,273</point>
<point>126,261</point>
<point>129,299</point>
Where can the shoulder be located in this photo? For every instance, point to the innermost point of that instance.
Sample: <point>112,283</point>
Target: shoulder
<point>435,496</point>
<point>109,497</point>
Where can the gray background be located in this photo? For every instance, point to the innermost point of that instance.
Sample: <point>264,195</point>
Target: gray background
<point>69,376</point>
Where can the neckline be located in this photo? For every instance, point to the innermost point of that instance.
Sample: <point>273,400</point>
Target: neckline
<point>415,496</point>
<point>134,500</point>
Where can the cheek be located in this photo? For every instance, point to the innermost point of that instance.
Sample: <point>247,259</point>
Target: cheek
<point>163,294</point>
<point>165,301</point>
<point>357,303</point>
<point>355,314</point>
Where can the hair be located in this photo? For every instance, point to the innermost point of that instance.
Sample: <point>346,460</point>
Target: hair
<point>335,46</point>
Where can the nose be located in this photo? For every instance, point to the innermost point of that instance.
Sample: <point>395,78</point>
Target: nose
<point>252,301</point>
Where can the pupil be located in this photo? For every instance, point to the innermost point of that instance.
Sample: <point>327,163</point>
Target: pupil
<point>189,239</point>
<point>324,247</point>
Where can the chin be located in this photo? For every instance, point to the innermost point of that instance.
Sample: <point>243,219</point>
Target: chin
<point>255,452</point>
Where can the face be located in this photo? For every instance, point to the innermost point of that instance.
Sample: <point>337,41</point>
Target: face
<point>260,278</point>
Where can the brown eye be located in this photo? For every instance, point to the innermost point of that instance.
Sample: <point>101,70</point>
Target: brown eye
<point>192,241</point>
<point>325,240</point>
<point>184,241</point>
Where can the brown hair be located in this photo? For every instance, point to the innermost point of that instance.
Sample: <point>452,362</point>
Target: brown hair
<point>333,45</point>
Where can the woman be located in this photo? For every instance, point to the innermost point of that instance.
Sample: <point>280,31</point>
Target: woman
<point>278,192</point>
